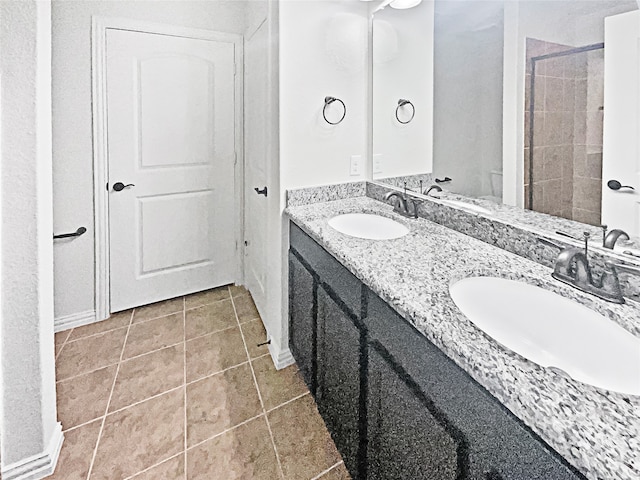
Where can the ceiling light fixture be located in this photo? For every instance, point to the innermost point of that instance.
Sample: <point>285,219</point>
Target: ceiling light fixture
<point>403,4</point>
<point>400,4</point>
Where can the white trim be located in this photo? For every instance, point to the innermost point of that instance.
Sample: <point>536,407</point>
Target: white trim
<point>99,26</point>
<point>37,466</point>
<point>74,320</point>
<point>281,357</point>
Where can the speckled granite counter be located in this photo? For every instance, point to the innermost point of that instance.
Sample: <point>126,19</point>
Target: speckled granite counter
<point>596,430</point>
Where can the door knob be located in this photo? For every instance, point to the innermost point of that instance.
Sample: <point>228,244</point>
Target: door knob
<point>118,186</point>
<point>262,191</point>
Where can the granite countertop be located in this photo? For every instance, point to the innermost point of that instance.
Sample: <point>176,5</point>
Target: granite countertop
<point>596,430</point>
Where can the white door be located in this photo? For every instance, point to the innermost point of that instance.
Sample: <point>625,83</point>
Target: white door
<point>256,171</point>
<point>621,147</point>
<point>171,131</point>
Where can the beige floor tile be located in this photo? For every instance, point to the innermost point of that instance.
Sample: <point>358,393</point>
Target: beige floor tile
<point>237,290</point>
<point>302,440</point>
<point>220,402</point>
<point>140,436</point>
<point>277,386</point>
<point>210,318</point>
<point>148,375</point>
<point>205,298</point>
<point>154,334</point>
<point>77,450</point>
<point>61,337</point>
<point>254,333</point>
<point>172,469</point>
<point>117,320</point>
<point>91,353</point>
<point>84,398</point>
<point>338,473</point>
<point>160,309</point>
<point>213,353</point>
<point>245,308</point>
<point>244,453</point>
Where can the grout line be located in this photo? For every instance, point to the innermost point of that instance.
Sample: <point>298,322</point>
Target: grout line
<point>205,304</point>
<point>317,477</point>
<point>153,466</point>
<point>63,344</point>
<point>255,381</point>
<point>288,401</point>
<point>184,380</point>
<point>225,431</point>
<point>217,373</point>
<point>142,401</point>
<point>206,334</point>
<point>113,385</point>
<point>82,424</point>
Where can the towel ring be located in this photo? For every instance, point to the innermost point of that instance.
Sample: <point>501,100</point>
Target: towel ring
<point>401,103</point>
<point>328,101</point>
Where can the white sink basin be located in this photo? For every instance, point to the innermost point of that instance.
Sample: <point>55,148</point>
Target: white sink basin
<point>552,331</point>
<point>364,225</point>
<point>466,206</point>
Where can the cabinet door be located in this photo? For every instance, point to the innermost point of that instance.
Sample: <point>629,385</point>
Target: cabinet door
<point>338,389</point>
<point>302,325</point>
<point>407,438</point>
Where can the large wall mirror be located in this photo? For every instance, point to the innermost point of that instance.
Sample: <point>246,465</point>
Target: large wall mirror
<point>507,99</point>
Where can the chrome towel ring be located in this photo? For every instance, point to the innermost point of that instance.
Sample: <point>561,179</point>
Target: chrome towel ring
<point>328,101</point>
<point>401,103</point>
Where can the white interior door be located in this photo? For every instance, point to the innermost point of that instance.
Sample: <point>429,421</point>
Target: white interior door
<point>256,168</point>
<point>171,135</point>
<point>621,147</point>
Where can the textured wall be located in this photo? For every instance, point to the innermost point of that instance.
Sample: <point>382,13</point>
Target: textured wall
<point>28,412</point>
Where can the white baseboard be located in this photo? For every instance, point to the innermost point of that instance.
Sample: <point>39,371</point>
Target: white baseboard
<point>37,466</point>
<point>281,357</point>
<point>74,320</point>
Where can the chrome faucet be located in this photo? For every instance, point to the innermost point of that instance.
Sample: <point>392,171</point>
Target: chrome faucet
<point>572,267</point>
<point>610,239</point>
<point>432,187</point>
<point>404,205</point>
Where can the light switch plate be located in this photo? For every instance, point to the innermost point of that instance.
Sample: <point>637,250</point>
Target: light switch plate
<point>377,163</point>
<point>356,165</point>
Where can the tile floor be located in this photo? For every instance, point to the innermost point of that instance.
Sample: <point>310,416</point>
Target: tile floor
<point>180,390</point>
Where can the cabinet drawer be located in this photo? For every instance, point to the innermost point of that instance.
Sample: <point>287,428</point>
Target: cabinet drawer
<point>340,282</point>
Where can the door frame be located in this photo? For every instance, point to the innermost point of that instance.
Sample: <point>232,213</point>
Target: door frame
<point>99,27</point>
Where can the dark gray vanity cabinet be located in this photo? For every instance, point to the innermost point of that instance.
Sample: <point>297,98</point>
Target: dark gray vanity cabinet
<point>302,324</point>
<point>326,303</point>
<point>488,441</point>
<point>396,406</point>
<point>405,439</point>
<point>338,376</point>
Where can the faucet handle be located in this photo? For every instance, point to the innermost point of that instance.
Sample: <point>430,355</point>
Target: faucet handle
<point>620,267</point>
<point>551,243</point>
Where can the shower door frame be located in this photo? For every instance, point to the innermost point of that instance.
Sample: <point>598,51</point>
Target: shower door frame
<point>532,96</point>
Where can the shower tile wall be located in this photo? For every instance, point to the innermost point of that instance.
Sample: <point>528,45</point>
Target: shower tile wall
<point>567,133</point>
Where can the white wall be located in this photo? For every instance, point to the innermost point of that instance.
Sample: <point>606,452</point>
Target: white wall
<point>72,126</point>
<point>403,68</point>
<point>323,52</point>
<point>31,436</point>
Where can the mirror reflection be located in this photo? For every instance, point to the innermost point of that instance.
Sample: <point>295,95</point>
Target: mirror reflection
<point>508,101</point>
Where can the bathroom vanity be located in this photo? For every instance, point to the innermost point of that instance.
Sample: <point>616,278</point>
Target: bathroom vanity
<point>410,389</point>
